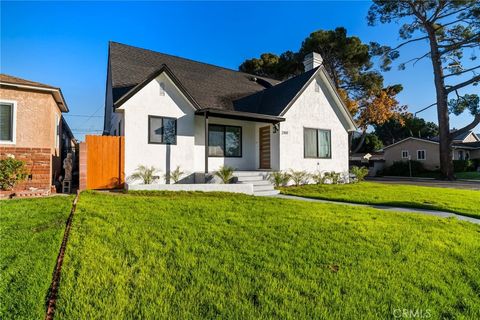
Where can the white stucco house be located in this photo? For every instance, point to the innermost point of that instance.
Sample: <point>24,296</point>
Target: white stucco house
<point>178,112</point>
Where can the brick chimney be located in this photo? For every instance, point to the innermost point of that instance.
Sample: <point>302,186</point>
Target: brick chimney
<point>312,60</point>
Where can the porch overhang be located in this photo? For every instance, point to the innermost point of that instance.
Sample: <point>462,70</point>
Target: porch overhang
<point>240,115</point>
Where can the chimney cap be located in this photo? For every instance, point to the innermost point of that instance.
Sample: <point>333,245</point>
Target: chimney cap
<point>312,60</point>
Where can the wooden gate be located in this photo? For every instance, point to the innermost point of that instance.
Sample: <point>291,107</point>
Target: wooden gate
<point>105,162</point>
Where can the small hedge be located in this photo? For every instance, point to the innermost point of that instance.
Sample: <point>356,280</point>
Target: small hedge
<point>463,165</point>
<point>401,168</point>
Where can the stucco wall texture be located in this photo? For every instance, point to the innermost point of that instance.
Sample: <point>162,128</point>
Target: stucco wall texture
<point>36,116</point>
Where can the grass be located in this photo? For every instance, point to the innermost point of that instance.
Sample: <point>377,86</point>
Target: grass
<point>464,202</point>
<point>31,231</point>
<point>469,175</point>
<point>195,256</point>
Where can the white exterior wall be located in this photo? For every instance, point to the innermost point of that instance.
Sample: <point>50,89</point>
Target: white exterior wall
<point>189,152</point>
<point>312,110</point>
<point>148,101</point>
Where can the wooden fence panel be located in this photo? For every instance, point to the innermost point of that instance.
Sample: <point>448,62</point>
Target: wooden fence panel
<point>105,162</point>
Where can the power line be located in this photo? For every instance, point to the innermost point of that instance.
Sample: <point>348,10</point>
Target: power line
<point>82,115</point>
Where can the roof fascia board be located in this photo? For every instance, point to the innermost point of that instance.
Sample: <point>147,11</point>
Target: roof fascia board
<point>410,138</point>
<point>56,92</point>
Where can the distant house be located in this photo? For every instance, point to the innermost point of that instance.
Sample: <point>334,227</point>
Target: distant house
<point>33,130</point>
<point>465,146</point>
<point>178,112</point>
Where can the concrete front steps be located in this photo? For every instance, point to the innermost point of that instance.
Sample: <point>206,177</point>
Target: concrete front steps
<point>261,185</point>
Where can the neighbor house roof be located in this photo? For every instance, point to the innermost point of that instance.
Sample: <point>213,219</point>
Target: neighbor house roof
<point>15,82</point>
<point>466,145</point>
<point>208,86</point>
<point>459,137</point>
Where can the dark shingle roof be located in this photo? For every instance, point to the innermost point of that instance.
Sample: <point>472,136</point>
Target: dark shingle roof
<point>475,144</point>
<point>211,86</point>
<point>460,137</point>
<point>274,100</point>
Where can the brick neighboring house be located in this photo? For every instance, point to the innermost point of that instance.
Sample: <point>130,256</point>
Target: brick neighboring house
<point>33,130</point>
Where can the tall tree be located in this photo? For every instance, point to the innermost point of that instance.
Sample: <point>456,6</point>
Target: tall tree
<point>393,131</point>
<point>452,30</point>
<point>349,63</point>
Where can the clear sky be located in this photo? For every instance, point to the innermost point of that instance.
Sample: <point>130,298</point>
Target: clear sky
<point>65,44</point>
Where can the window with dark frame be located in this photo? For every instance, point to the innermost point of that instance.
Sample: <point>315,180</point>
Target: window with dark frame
<point>421,155</point>
<point>224,141</point>
<point>6,121</point>
<point>162,130</point>
<point>317,143</point>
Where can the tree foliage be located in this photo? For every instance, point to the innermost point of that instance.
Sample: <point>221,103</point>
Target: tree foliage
<point>393,131</point>
<point>348,61</point>
<point>372,143</point>
<point>452,30</point>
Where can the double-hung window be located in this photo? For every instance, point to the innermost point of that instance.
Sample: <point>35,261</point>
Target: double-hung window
<point>421,155</point>
<point>162,130</point>
<point>224,141</point>
<point>317,143</point>
<point>7,122</point>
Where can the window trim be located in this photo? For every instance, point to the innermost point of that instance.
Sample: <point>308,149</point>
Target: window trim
<point>424,152</point>
<point>14,121</point>
<point>225,140</point>
<point>316,137</point>
<point>408,154</point>
<point>149,127</point>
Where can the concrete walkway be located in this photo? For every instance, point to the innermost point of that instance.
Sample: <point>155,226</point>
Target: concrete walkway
<point>441,214</point>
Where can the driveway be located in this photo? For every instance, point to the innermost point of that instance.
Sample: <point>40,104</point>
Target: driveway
<point>460,184</point>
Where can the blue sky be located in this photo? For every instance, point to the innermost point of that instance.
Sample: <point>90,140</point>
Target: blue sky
<point>65,44</point>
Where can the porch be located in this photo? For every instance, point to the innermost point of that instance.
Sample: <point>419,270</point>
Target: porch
<point>247,142</point>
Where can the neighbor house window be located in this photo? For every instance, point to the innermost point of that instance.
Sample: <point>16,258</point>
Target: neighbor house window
<point>162,130</point>
<point>421,155</point>
<point>317,143</point>
<point>224,141</point>
<point>405,154</point>
<point>6,122</point>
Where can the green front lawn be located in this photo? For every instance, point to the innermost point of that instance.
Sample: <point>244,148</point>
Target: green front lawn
<point>464,202</point>
<point>31,232</point>
<point>194,255</point>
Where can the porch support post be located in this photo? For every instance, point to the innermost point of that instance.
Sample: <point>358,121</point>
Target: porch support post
<point>206,144</point>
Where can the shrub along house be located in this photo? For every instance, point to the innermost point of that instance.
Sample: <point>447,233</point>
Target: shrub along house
<point>33,130</point>
<point>178,112</point>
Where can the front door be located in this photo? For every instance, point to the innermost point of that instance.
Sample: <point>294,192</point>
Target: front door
<point>264,134</point>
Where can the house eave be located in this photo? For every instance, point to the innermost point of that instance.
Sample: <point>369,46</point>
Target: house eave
<point>56,93</point>
<point>240,115</point>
